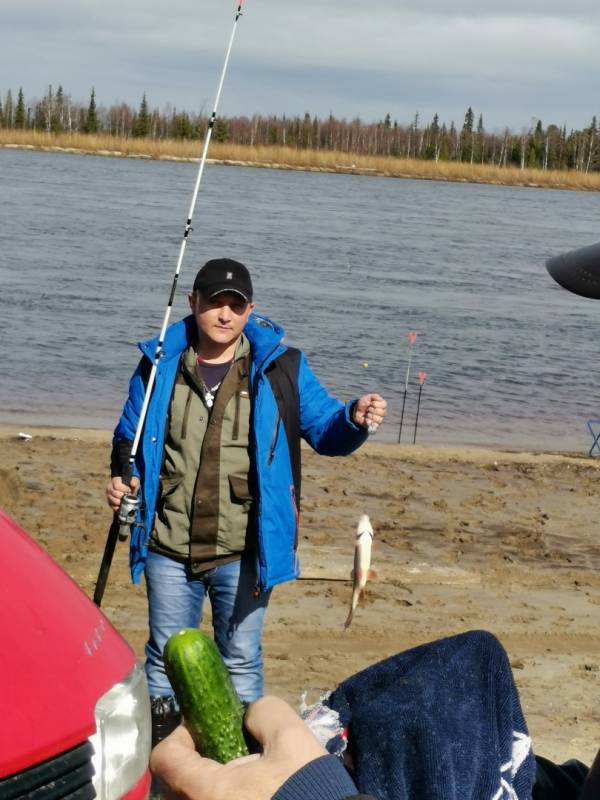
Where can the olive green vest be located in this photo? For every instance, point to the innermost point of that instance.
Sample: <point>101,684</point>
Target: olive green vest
<point>204,501</point>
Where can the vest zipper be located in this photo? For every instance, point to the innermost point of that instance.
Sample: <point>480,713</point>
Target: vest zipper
<point>274,439</point>
<point>236,420</point>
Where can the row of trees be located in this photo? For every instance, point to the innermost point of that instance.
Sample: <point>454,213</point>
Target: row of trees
<point>549,147</point>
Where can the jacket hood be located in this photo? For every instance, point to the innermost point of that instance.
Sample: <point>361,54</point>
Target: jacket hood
<point>265,338</point>
<point>264,335</point>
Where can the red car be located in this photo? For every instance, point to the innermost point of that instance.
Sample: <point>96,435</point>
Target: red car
<point>74,707</point>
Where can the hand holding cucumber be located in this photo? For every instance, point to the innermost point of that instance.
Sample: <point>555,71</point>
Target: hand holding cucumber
<point>287,746</point>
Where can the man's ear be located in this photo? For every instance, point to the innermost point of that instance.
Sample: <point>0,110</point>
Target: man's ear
<point>191,300</point>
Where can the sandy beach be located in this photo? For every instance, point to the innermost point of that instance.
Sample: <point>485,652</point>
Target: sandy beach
<point>465,538</point>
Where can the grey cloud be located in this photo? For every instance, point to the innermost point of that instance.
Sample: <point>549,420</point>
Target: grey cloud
<point>350,58</point>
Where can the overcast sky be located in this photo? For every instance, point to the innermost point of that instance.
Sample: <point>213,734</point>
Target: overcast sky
<point>511,61</point>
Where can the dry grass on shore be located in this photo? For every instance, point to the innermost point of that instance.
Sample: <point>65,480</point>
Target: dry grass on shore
<point>290,158</point>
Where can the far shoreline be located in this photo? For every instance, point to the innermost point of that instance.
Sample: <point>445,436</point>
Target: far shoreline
<point>288,159</point>
<point>481,452</point>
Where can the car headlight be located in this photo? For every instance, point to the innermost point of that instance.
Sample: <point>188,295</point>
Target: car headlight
<point>123,736</point>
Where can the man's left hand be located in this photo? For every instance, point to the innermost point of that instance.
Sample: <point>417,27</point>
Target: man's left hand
<point>369,410</point>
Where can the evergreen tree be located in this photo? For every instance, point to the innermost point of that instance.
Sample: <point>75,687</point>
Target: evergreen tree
<point>592,144</point>
<point>49,108</point>
<point>306,131</point>
<point>20,112</point>
<point>418,135</point>
<point>316,139</point>
<point>181,126</point>
<point>142,126</point>
<point>220,130</point>
<point>480,139</point>
<point>90,124</point>
<point>443,148</point>
<point>1,114</point>
<point>57,124</point>
<point>466,137</point>
<point>535,156</point>
<point>8,110</point>
<point>431,151</point>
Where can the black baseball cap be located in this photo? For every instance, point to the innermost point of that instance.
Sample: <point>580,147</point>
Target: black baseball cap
<point>578,271</point>
<point>224,275</point>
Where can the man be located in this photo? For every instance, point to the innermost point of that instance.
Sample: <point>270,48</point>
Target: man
<point>219,465</point>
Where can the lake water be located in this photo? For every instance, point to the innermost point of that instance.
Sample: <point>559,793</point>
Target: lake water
<point>348,265</point>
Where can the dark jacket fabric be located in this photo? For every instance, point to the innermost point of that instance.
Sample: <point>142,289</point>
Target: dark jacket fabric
<point>324,778</point>
<point>442,721</point>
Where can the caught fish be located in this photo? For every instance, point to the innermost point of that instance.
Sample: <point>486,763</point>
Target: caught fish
<point>362,563</point>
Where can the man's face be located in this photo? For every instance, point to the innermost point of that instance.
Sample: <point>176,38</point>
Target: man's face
<point>221,319</point>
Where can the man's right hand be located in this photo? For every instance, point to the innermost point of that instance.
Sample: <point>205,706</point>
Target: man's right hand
<point>115,490</point>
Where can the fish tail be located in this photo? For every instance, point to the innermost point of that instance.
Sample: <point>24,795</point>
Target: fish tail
<point>353,604</point>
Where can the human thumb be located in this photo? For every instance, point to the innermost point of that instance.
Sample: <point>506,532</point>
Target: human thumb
<point>281,732</point>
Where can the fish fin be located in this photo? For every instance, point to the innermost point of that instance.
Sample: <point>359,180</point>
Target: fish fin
<point>349,618</point>
<point>372,574</point>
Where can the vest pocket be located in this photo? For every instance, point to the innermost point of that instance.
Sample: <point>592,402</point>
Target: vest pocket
<point>169,498</point>
<point>240,490</point>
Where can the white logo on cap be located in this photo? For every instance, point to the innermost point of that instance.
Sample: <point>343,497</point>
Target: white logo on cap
<point>230,276</point>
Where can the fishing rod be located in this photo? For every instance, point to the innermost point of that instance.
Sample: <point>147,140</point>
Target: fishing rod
<point>412,338</point>
<point>421,377</point>
<point>126,515</point>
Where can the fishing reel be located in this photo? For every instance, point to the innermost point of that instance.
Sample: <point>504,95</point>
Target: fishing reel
<point>127,513</point>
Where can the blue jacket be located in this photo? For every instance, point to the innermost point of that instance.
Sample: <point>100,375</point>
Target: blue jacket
<point>324,423</point>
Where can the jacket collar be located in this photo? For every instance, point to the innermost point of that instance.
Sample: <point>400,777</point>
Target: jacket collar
<point>264,335</point>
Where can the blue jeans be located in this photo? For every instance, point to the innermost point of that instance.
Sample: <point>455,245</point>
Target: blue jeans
<point>175,600</point>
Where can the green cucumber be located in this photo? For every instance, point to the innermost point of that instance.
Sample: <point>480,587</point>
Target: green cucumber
<point>210,706</point>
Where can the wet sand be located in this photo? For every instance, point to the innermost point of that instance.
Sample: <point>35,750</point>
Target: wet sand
<point>465,538</point>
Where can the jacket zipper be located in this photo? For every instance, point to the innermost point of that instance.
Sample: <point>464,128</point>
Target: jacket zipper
<point>296,516</point>
<point>274,438</point>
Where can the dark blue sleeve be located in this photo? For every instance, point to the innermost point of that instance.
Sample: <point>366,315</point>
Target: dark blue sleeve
<point>324,778</point>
